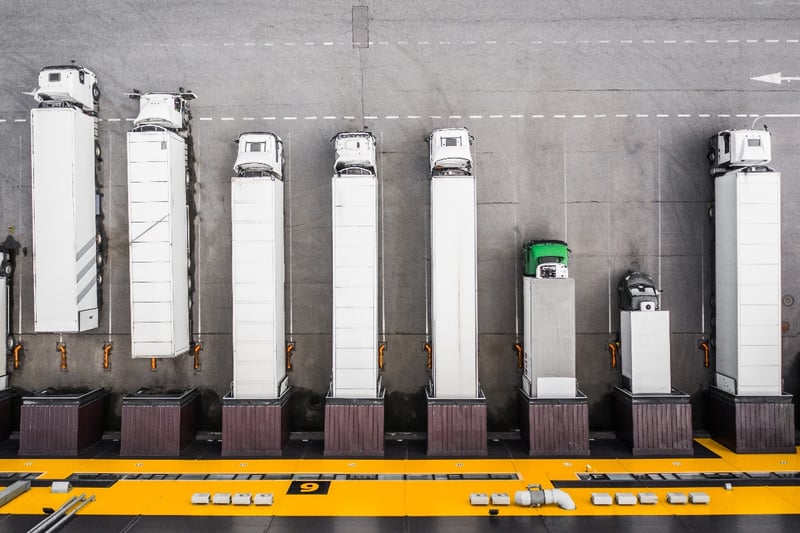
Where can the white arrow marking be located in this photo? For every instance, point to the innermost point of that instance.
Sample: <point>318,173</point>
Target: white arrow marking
<point>776,78</point>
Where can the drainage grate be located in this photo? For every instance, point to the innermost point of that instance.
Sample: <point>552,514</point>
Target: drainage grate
<point>681,479</point>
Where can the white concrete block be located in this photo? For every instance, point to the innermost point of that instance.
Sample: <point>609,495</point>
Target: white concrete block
<point>699,498</point>
<point>676,498</point>
<point>201,498</point>
<point>263,498</point>
<point>478,498</point>
<point>60,487</point>
<point>648,498</point>
<point>601,498</point>
<point>501,498</point>
<point>625,498</point>
<point>221,498</point>
<point>241,498</point>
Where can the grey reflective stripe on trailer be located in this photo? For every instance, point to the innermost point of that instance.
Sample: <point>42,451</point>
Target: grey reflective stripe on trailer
<point>84,270</point>
<point>84,248</point>
<point>87,288</point>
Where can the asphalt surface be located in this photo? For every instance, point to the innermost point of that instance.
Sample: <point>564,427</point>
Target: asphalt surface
<point>590,125</point>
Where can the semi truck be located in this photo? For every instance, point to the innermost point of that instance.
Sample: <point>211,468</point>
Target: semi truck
<point>747,227</point>
<point>355,267</point>
<point>6,273</point>
<point>548,301</point>
<point>454,287</point>
<point>67,232</point>
<point>259,358</point>
<point>159,225</point>
<point>644,336</point>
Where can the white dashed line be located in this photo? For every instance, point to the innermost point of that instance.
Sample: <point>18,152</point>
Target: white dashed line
<point>371,117</point>
<point>20,120</point>
<point>248,118</point>
<point>392,117</point>
<point>289,118</point>
<point>771,41</point>
<point>751,41</point>
<point>310,43</point>
<point>712,41</point>
<point>468,42</point>
<point>291,44</point>
<point>626,41</point>
<point>269,44</point>
<point>641,115</point>
<point>559,116</point>
<point>401,43</point>
<point>578,116</point>
<point>662,115</point>
<point>648,41</point>
<point>249,44</point>
<point>327,43</point>
<point>434,116</point>
<point>583,42</point>
<point>444,42</point>
<point>310,118</point>
<point>732,41</point>
<point>703,115</point>
<point>604,41</point>
<point>349,117</point>
<point>423,42</point>
<point>267,118</point>
<point>689,41</point>
<point>537,116</point>
<point>412,116</point>
<point>129,120</point>
<point>455,116</point>
<point>781,115</point>
<point>2,120</point>
<point>723,115</point>
<point>600,116</point>
<point>113,119</point>
<point>490,42</point>
<point>495,116</point>
<point>683,115</point>
<point>671,41</point>
<point>329,117</point>
<point>228,44</point>
<point>621,115</point>
<point>476,116</point>
<point>226,118</point>
<point>515,116</point>
<point>793,40</point>
<point>206,118</point>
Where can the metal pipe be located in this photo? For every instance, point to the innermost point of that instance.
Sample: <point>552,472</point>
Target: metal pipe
<point>706,347</point>
<point>17,349</point>
<point>429,349</point>
<point>153,364</point>
<point>197,348</point>
<point>106,353</point>
<point>289,350</point>
<point>381,349</point>
<point>67,516</point>
<point>38,528</point>
<point>62,348</point>
<point>612,349</point>
<point>518,349</point>
<point>535,496</point>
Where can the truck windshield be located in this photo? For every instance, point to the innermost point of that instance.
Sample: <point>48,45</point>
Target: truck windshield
<point>451,141</point>
<point>256,147</point>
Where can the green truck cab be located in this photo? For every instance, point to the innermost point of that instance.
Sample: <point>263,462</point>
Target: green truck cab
<point>545,259</point>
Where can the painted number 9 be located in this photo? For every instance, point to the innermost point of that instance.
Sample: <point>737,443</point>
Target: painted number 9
<point>309,487</point>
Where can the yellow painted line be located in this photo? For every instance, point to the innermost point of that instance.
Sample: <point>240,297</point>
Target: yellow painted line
<point>404,497</point>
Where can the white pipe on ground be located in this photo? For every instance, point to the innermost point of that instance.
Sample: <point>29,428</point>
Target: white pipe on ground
<point>536,497</point>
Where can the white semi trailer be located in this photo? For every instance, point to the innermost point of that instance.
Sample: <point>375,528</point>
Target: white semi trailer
<point>66,213</point>
<point>747,208</point>
<point>259,358</point>
<point>159,226</point>
<point>355,268</point>
<point>454,277</point>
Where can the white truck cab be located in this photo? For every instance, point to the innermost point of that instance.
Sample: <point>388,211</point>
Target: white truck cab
<point>168,110</point>
<point>355,153</point>
<point>260,154</point>
<point>68,83</point>
<point>739,149</point>
<point>449,151</point>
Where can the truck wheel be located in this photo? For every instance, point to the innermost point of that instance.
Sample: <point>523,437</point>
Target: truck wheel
<point>7,269</point>
<point>98,238</point>
<point>10,342</point>
<point>98,152</point>
<point>99,259</point>
<point>99,279</point>
<point>95,93</point>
